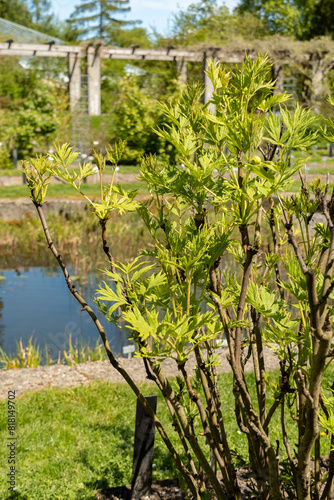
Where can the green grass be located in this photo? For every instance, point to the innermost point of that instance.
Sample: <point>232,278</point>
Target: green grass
<point>65,191</point>
<point>92,190</point>
<point>10,172</point>
<point>75,440</point>
<point>72,441</point>
<point>124,169</point>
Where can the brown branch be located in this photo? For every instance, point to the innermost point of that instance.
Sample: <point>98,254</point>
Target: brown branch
<point>328,493</point>
<point>316,321</point>
<point>276,249</point>
<point>106,249</point>
<point>284,389</point>
<point>238,417</point>
<point>293,242</point>
<point>326,295</point>
<point>240,176</point>
<point>302,384</point>
<point>258,439</point>
<point>259,365</point>
<point>287,445</point>
<point>188,430</point>
<point>213,445</point>
<point>214,412</point>
<point>317,468</point>
<point>242,300</point>
<point>176,425</point>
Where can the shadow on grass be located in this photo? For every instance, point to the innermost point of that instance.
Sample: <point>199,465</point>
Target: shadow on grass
<point>16,495</point>
<point>115,470</point>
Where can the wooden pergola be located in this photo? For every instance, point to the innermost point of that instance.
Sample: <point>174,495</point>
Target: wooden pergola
<point>93,55</point>
<point>317,57</point>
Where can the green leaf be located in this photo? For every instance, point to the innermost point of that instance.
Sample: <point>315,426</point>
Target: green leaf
<point>64,155</point>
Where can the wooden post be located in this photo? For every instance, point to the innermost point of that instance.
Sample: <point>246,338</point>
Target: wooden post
<point>14,157</point>
<point>74,76</point>
<point>278,76</point>
<point>208,87</point>
<point>94,81</point>
<point>181,68</point>
<point>143,451</point>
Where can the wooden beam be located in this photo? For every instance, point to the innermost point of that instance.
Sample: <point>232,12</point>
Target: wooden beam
<point>39,49</point>
<point>150,54</point>
<point>32,53</point>
<point>53,50</point>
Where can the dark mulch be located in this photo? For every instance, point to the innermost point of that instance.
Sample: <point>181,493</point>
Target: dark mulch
<point>168,489</point>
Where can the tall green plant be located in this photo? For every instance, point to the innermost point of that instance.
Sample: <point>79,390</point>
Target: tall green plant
<point>180,295</point>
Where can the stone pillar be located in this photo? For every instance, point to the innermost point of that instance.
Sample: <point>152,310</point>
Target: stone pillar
<point>74,76</point>
<point>181,68</point>
<point>94,81</point>
<point>208,87</point>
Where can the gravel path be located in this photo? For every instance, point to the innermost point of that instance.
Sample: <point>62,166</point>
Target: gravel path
<point>30,379</point>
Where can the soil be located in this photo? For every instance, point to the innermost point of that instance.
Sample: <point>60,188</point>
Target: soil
<point>168,489</point>
<point>30,379</point>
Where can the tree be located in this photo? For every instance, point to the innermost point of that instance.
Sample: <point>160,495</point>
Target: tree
<point>96,18</point>
<point>209,22</point>
<point>299,19</point>
<point>39,10</point>
<point>16,11</point>
<point>32,110</point>
<point>322,19</point>
<point>43,19</point>
<point>37,120</point>
<point>127,37</point>
<point>136,116</point>
<point>185,296</point>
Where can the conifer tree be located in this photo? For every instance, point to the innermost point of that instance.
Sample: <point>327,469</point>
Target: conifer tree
<point>96,18</point>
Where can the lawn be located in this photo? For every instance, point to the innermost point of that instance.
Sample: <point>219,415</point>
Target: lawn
<point>65,191</point>
<point>73,441</point>
<point>124,169</point>
<point>91,190</point>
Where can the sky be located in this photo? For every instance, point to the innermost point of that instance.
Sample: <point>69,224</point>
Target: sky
<point>154,13</point>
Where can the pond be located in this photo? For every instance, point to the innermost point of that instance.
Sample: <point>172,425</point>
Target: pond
<point>36,301</point>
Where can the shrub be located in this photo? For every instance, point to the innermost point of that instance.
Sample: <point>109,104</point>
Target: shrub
<point>217,205</point>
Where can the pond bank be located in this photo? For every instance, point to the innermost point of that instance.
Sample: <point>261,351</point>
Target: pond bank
<point>19,208</point>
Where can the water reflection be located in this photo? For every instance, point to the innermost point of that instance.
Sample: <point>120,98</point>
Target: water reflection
<point>35,301</point>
